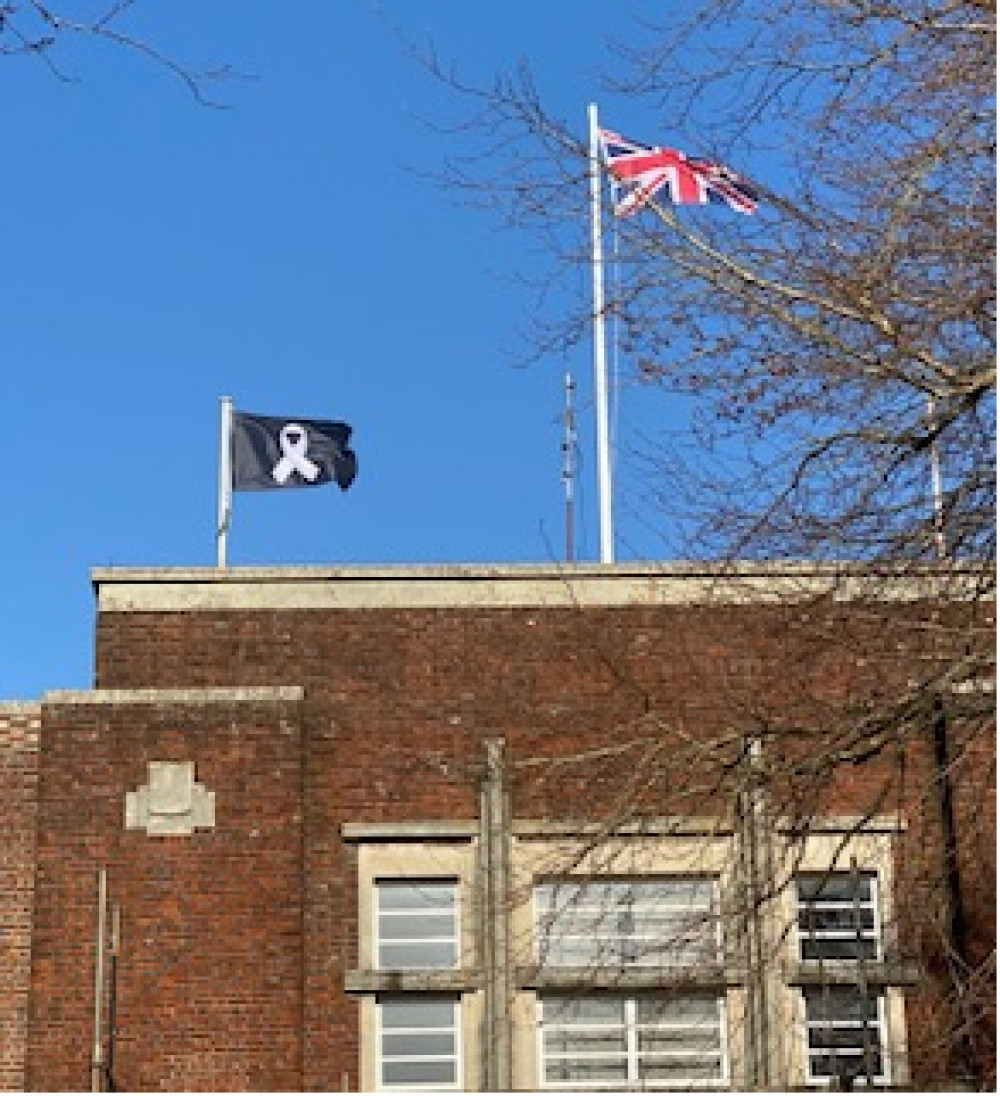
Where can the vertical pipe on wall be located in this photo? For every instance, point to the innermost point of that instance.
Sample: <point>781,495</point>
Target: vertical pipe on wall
<point>97,1056</point>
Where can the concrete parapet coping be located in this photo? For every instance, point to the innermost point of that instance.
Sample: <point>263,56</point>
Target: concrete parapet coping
<point>215,695</point>
<point>20,709</point>
<point>528,585</point>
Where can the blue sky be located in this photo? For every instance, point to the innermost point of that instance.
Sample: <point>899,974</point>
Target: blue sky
<point>290,251</point>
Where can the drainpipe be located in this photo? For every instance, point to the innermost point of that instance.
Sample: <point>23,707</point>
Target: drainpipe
<point>97,1058</point>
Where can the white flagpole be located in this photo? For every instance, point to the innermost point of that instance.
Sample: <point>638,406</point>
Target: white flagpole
<point>225,478</point>
<point>604,487</point>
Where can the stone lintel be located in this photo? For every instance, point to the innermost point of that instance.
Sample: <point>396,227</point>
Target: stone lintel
<point>370,832</point>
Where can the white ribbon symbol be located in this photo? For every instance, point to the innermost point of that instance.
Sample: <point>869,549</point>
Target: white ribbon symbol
<point>294,443</point>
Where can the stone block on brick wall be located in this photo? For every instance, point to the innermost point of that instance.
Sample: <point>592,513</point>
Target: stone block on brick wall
<point>172,803</point>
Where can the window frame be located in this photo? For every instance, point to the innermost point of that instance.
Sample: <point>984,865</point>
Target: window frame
<point>880,1025</point>
<point>877,933</point>
<point>632,1054</point>
<point>416,881</point>
<point>380,1059</point>
<point>615,962</point>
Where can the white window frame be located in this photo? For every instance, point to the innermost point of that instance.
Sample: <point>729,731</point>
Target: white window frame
<point>632,1054</point>
<point>649,959</point>
<point>843,934</point>
<point>879,1027</point>
<point>455,1031</point>
<point>417,881</point>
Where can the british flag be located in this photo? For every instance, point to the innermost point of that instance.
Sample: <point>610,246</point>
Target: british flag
<point>641,171</point>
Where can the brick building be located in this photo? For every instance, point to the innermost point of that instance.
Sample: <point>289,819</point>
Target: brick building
<point>506,827</point>
<point>19,724</point>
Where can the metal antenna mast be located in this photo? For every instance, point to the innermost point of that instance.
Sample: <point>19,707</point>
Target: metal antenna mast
<point>569,464</point>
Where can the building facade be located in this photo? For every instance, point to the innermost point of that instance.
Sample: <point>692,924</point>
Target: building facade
<point>504,828</point>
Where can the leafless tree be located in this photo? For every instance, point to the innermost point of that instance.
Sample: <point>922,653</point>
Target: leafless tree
<point>32,28</point>
<point>837,355</point>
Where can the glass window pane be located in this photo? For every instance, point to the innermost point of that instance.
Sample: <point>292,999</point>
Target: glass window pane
<point>587,1041</point>
<point>426,1012</point>
<point>835,887</point>
<point>418,1044</point>
<point>689,894</point>
<point>844,1033</point>
<point>840,919</point>
<point>841,1064</point>
<point>682,894</point>
<point>673,1039</point>
<point>678,1010</point>
<point>676,950</point>
<point>840,1003</point>
<point>417,925</point>
<point>665,923</point>
<point>586,1070</point>
<point>419,1041</point>
<point>578,952</point>
<point>545,895</point>
<point>581,1041</point>
<point>586,1010</point>
<point>825,1038</point>
<point>837,948</point>
<point>419,1073</point>
<point>597,894</point>
<point>414,926</point>
<point>642,922</point>
<point>573,919</point>
<point>416,956</point>
<point>680,1069</point>
<point>836,917</point>
<point>406,894</point>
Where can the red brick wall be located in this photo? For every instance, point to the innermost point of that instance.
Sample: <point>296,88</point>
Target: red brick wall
<point>210,985</point>
<point>236,941</point>
<point>19,725</point>
<point>399,702</point>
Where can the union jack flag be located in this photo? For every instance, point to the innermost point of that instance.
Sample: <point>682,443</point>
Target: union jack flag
<point>642,171</point>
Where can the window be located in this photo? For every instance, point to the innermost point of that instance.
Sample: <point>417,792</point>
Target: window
<point>417,924</point>
<point>418,1043</point>
<point>628,923</point>
<point>619,1040</point>
<point>837,916</point>
<point>845,1029</point>
<point>648,1041</point>
<point>845,1025</point>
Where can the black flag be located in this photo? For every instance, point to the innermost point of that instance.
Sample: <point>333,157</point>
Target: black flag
<point>270,452</point>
